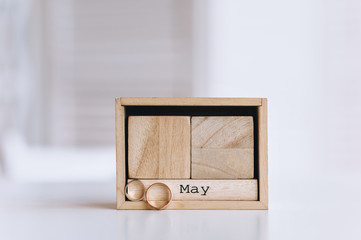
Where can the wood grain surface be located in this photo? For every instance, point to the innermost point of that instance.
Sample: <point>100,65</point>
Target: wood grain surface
<point>263,153</point>
<point>182,189</point>
<point>159,146</point>
<point>222,147</point>
<point>195,101</point>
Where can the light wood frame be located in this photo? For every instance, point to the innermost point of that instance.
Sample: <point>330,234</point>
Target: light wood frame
<point>260,103</point>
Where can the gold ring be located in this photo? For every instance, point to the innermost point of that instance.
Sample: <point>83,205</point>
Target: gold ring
<point>166,204</point>
<point>126,191</point>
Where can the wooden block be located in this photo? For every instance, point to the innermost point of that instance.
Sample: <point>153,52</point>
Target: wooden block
<point>159,147</point>
<point>222,147</point>
<point>194,190</point>
<point>259,104</point>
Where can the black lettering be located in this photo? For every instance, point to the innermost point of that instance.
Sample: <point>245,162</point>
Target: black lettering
<point>194,189</point>
<point>205,190</point>
<point>186,189</point>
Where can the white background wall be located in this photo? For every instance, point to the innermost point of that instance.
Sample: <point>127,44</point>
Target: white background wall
<point>64,62</point>
<point>305,56</point>
<point>95,51</point>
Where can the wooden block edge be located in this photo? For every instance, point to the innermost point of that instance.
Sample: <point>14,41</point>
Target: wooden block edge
<point>263,152</point>
<point>199,205</point>
<point>188,101</point>
<point>120,152</point>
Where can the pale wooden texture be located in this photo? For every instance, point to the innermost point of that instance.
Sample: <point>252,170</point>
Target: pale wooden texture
<point>120,152</point>
<point>261,203</point>
<point>159,147</point>
<point>162,101</point>
<point>244,205</point>
<point>263,153</point>
<point>222,147</point>
<point>245,189</point>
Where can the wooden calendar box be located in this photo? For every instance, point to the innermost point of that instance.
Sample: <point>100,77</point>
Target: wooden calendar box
<point>210,152</point>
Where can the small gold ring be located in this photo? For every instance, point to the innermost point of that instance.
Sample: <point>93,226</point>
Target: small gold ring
<point>126,191</point>
<point>166,204</point>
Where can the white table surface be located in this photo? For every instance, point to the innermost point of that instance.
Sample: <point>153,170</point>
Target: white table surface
<point>320,209</point>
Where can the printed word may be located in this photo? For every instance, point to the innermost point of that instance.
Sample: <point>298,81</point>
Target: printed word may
<point>193,189</point>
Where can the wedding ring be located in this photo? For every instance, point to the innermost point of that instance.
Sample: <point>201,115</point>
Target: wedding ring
<point>129,197</point>
<point>169,198</point>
